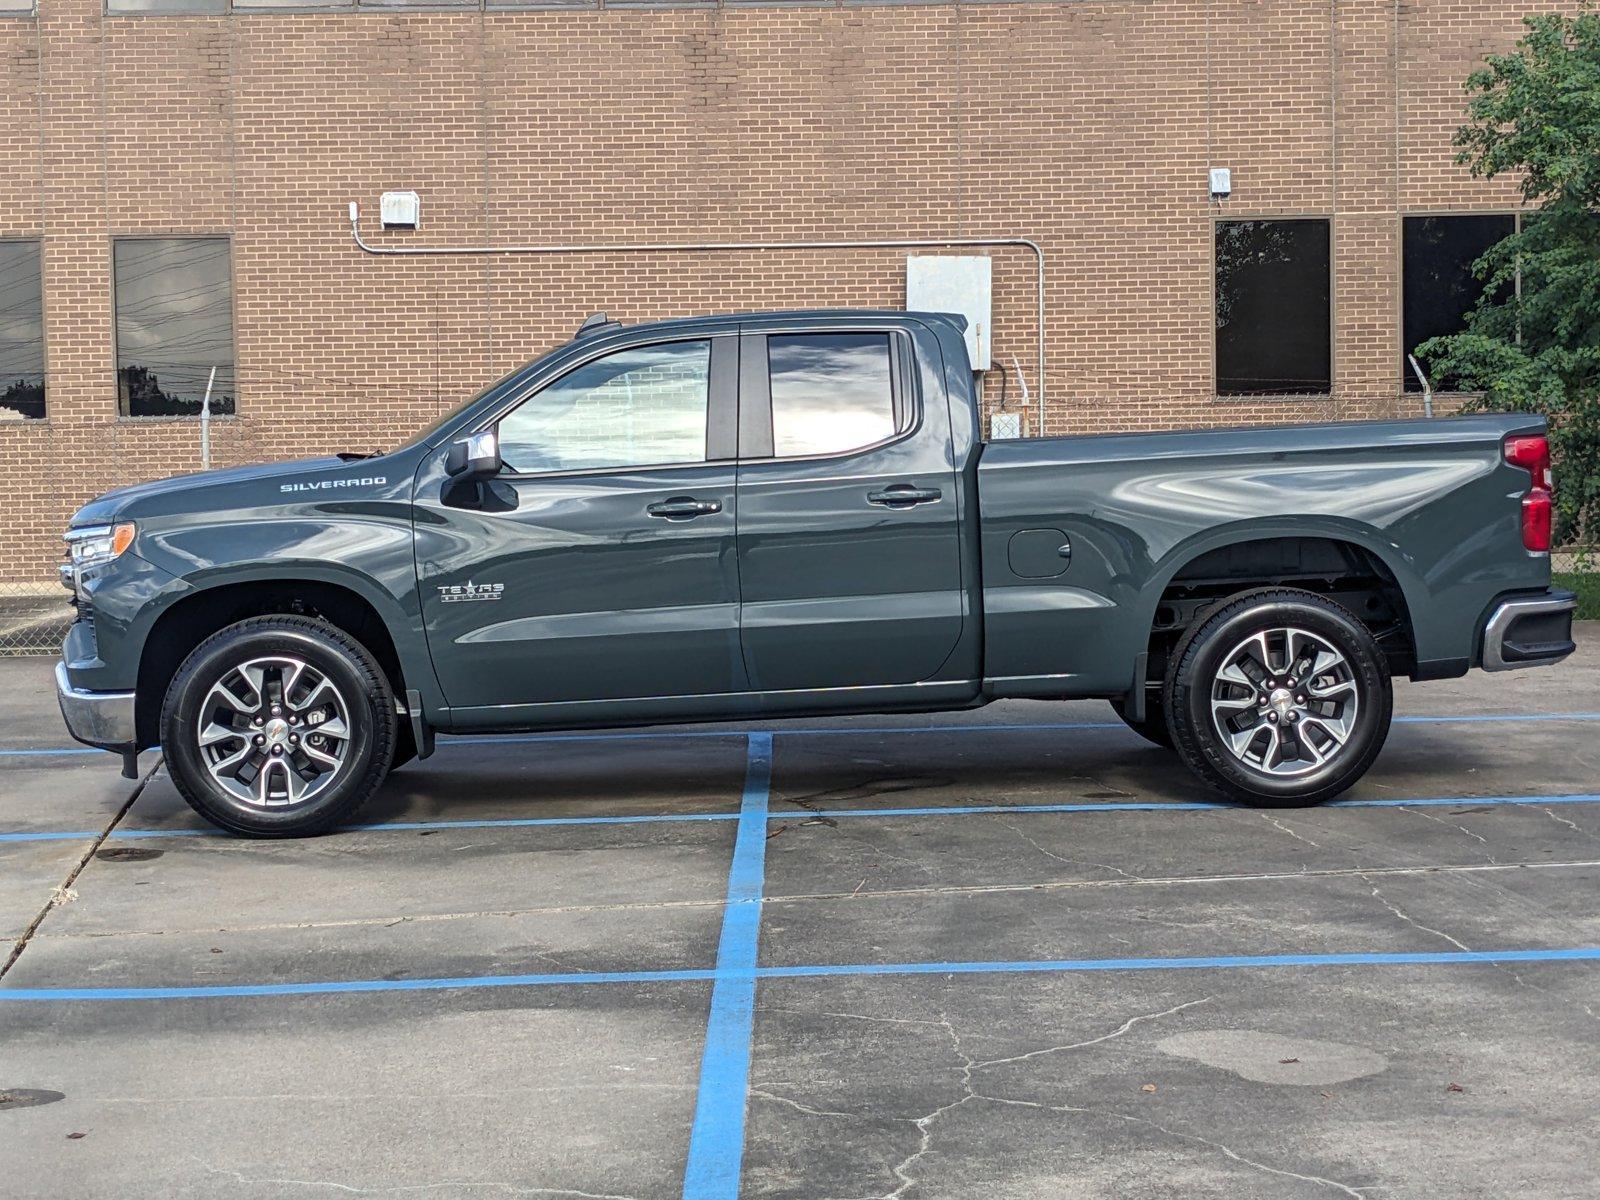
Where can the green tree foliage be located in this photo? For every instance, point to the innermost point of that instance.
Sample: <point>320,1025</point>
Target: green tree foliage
<point>1534,345</point>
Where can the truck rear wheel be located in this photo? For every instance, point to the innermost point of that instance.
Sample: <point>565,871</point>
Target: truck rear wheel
<point>278,726</point>
<point>1280,697</point>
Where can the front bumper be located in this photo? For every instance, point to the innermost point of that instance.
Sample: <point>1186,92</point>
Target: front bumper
<point>102,719</point>
<point>1529,631</point>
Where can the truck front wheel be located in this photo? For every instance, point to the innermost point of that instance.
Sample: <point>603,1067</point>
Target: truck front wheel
<point>1279,697</point>
<point>278,726</point>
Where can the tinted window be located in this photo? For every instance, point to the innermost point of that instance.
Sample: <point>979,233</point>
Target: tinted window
<point>831,392</point>
<point>167,6</point>
<point>1273,308</point>
<point>21,331</point>
<point>1440,289</point>
<point>635,408</point>
<point>174,324</point>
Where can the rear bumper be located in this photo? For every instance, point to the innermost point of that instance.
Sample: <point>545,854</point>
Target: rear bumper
<point>1529,631</point>
<point>102,719</point>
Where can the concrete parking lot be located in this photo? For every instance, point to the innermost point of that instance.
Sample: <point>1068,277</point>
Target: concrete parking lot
<point>1013,953</point>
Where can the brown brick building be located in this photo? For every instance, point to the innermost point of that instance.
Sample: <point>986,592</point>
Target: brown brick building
<point>1087,126</point>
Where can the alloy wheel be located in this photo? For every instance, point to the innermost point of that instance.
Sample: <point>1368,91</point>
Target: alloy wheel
<point>1285,701</point>
<point>273,731</point>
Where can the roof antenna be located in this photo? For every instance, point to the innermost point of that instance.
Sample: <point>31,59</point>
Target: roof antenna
<point>598,323</point>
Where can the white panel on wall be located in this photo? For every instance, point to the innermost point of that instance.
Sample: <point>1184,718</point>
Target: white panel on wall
<point>950,283</point>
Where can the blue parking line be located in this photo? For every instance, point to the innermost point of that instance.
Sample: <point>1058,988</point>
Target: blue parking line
<point>1209,962</point>
<point>807,814</point>
<point>50,752</point>
<point>1174,805</point>
<point>855,731</point>
<point>733,1105</point>
<point>716,1141</point>
<point>346,986</point>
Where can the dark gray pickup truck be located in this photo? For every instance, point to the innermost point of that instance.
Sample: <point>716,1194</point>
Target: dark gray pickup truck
<point>794,514</point>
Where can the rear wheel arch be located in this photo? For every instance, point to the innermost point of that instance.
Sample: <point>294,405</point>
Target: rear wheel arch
<point>1335,563</point>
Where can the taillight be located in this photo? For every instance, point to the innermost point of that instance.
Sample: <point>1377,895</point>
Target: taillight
<point>1532,454</point>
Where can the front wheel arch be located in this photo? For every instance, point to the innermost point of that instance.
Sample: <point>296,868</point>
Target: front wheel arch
<point>191,620</point>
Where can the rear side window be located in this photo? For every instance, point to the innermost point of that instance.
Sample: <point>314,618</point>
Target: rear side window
<point>641,407</point>
<point>831,392</point>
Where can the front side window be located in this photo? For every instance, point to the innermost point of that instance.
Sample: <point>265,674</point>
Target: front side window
<point>641,407</point>
<point>1274,308</point>
<point>174,310</point>
<point>21,332</point>
<point>1440,288</point>
<point>831,392</point>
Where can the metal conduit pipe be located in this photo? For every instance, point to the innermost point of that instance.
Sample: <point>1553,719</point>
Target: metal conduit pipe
<point>691,247</point>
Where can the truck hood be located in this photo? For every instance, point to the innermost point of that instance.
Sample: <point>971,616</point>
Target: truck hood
<point>221,489</point>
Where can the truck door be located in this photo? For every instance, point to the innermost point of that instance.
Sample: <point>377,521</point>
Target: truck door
<point>849,553</point>
<point>599,565</point>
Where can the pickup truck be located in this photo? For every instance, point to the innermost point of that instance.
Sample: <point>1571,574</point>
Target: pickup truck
<point>794,514</point>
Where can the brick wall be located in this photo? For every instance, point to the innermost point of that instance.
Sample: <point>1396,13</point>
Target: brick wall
<point>1088,126</point>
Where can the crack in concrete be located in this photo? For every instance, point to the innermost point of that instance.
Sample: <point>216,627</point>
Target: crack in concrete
<point>1509,970</point>
<point>1410,920</point>
<point>1104,1037</point>
<point>1456,825</point>
<point>1570,824</point>
<point>1075,862</point>
<point>395,1189</point>
<point>883,894</point>
<point>790,1102</point>
<point>1220,1147</point>
<point>903,1170</point>
<point>62,892</point>
<point>1282,828</point>
<point>924,1125</point>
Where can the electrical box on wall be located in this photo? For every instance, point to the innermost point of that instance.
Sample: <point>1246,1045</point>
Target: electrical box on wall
<point>1004,426</point>
<point>954,284</point>
<point>399,210</point>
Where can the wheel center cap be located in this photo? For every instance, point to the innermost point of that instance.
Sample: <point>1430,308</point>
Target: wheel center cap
<point>1281,701</point>
<point>277,732</point>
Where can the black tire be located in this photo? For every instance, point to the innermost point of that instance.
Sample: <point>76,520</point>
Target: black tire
<point>360,698</point>
<point>1306,772</point>
<point>1153,728</point>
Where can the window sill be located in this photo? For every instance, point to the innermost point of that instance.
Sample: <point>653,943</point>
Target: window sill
<point>172,419</point>
<point>1272,398</point>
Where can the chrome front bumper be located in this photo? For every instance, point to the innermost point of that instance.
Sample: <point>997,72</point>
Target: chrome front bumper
<point>1529,631</point>
<point>102,719</point>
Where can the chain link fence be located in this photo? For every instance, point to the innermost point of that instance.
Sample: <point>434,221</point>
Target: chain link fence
<point>33,617</point>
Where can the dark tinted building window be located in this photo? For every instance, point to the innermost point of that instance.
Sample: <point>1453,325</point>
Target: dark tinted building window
<point>1440,289</point>
<point>21,331</point>
<point>174,324</point>
<point>831,392</point>
<point>166,6</point>
<point>1273,308</point>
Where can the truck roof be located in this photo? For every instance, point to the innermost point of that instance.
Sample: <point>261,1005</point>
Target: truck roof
<point>600,324</point>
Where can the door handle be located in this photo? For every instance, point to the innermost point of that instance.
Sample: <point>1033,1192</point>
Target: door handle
<point>684,508</point>
<point>903,495</point>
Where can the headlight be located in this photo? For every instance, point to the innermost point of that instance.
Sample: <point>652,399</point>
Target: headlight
<point>96,545</point>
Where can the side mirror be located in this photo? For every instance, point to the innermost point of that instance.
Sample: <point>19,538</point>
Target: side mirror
<point>476,456</point>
